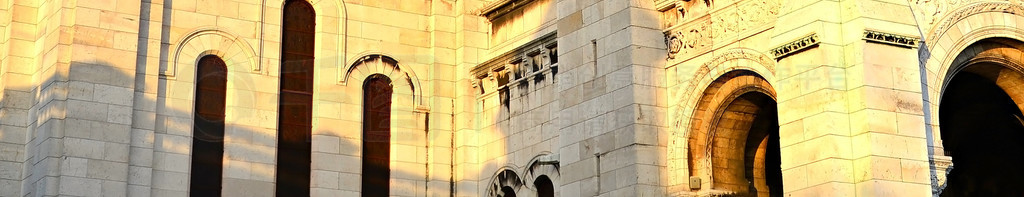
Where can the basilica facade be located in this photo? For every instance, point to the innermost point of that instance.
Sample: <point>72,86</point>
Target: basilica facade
<point>533,98</point>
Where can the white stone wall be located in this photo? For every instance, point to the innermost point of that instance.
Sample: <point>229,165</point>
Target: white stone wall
<point>613,98</point>
<point>97,95</point>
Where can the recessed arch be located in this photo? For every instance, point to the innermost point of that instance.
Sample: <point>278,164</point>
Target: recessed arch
<point>378,63</point>
<point>203,41</point>
<point>506,179</point>
<point>332,16</point>
<point>733,141</point>
<point>945,42</point>
<point>688,97</point>
<point>980,111</point>
<point>542,169</point>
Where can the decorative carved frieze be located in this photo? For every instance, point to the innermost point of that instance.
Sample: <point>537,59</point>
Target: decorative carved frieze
<point>931,11</point>
<point>747,54</point>
<point>1004,7</point>
<point>687,36</point>
<point>891,39</point>
<point>687,40</point>
<point>797,45</point>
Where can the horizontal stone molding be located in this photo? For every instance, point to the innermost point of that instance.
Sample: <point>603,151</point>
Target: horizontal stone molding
<point>530,60</point>
<point>891,39</point>
<point>501,7</point>
<point>796,46</point>
<point>691,33</point>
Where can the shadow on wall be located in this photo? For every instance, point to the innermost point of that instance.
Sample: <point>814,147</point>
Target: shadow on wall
<point>148,138</point>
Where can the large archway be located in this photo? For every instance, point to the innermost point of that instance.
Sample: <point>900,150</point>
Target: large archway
<point>982,124</point>
<point>734,147</point>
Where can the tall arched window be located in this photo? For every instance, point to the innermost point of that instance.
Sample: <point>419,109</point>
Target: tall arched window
<point>296,102</point>
<point>376,136</point>
<point>208,127</point>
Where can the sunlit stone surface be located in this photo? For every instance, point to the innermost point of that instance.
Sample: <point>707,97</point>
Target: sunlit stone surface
<point>520,97</point>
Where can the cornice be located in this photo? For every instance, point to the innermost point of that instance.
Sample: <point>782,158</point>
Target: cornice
<point>501,7</point>
<point>546,41</point>
<point>891,39</point>
<point>795,46</point>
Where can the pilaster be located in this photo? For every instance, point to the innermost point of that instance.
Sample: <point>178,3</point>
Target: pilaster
<point>613,98</point>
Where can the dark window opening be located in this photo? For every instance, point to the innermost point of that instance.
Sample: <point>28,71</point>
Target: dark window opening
<point>544,187</point>
<point>376,175</point>
<point>296,99</point>
<point>208,127</point>
<point>553,54</point>
<point>983,132</point>
<point>507,192</point>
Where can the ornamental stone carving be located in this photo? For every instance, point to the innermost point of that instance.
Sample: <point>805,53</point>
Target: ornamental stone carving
<point>977,8</point>
<point>690,40</point>
<point>687,36</point>
<point>891,39</point>
<point>931,11</point>
<point>795,46</point>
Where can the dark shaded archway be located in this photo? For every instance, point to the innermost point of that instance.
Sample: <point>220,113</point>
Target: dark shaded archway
<point>762,160</point>
<point>746,154</point>
<point>982,131</point>
<point>735,137</point>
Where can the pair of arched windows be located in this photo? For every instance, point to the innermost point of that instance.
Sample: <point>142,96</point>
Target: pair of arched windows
<point>295,116</point>
<point>545,188</point>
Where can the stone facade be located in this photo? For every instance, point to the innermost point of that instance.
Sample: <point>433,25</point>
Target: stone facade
<point>600,97</point>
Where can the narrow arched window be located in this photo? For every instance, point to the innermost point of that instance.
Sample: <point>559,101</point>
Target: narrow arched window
<point>208,127</point>
<point>376,174</point>
<point>544,186</point>
<point>296,101</point>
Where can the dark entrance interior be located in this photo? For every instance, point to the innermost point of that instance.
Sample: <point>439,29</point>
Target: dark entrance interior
<point>982,132</point>
<point>755,114</point>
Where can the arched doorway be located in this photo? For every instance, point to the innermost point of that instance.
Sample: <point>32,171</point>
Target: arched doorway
<point>982,127</point>
<point>734,147</point>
